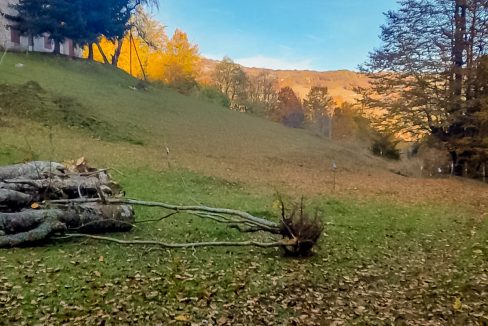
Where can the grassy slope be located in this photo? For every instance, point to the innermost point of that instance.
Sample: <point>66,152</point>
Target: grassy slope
<point>379,260</point>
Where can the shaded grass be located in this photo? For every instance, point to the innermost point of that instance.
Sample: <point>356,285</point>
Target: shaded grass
<point>31,101</point>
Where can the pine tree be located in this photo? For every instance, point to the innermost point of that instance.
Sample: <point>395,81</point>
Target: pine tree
<point>59,18</point>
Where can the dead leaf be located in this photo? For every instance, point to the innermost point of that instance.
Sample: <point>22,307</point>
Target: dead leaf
<point>182,318</point>
<point>457,305</point>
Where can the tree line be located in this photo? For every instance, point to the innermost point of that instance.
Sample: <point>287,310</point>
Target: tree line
<point>260,94</point>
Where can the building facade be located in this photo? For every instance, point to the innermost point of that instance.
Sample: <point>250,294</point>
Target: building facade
<point>12,40</point>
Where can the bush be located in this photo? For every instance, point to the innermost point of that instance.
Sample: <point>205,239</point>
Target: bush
<point>385,145</point>
<point>294,119</point>
<point>214,95</point>
<point>184,85</point>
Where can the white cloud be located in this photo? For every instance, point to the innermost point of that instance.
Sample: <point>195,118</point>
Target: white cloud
<point>260,61</point>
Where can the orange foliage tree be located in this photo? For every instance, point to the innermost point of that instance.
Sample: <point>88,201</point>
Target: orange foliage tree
<point>180,60</point>
<point>147,53</point>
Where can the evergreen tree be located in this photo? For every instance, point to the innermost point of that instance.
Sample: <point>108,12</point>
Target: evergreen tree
<point>59,18</point>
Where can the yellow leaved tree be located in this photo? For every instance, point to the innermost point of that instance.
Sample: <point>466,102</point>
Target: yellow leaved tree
<point>180,62</point>
<point>148,54</point>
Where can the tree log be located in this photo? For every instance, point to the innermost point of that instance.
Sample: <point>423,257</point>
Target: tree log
<point>33,225</point>
<point>73,186</point>
<point>14,200</point>
<point>41,232</point>
<point>30,170</point>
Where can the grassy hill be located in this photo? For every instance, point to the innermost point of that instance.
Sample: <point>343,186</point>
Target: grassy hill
<point>395,250</point>
<point>98,111</point>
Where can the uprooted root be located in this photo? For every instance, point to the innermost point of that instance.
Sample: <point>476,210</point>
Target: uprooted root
<point>300,227</point>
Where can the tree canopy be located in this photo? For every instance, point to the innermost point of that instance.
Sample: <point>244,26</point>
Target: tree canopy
<point>424,74</point>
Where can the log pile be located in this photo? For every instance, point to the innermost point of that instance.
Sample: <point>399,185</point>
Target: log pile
<point>26,217</point>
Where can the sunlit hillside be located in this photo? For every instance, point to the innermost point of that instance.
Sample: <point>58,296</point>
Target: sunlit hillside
<point>340,83</point>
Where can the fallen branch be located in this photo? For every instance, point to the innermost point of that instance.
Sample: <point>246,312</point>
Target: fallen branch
<point>256,221</point>
<point>80,199</point>
<point>182,245</point>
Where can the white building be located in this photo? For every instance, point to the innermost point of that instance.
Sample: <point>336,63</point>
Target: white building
<point>11,39</point>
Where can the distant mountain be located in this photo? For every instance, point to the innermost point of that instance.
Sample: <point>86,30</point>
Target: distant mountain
<point>340,83</point>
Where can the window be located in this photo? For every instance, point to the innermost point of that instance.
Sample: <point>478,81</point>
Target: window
<point>48,44</point>
<point>14,36</point>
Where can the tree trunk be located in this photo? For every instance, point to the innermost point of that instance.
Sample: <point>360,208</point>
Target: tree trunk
<point>105,60</point>
<point>118,50</point>
<point>90,51</point>
<point>57,47</point>
<point>458,52</point>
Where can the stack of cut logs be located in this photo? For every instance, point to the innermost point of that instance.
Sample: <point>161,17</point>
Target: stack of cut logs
<point>29,216</point>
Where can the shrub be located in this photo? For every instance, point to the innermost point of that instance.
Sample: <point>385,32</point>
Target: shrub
<point>385,145</point>
<point>214,95</point>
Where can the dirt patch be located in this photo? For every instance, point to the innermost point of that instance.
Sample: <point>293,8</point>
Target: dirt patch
<point>30,101</point>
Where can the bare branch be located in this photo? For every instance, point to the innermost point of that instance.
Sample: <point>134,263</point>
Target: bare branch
<point>281,243</point>
<point>265,224</point>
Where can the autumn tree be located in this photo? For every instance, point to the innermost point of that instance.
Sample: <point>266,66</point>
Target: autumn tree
<point>423,75</point>
<point>319,109</point>
<point>231,80</point>
<point>262,92</point>
<point>112,21</point>
<point>148,29</point>
<point>289,110</point>
<point>141,50</point>
<point>180,62</point>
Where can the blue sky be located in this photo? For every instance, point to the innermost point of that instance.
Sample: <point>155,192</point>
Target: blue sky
<point>280,34</point>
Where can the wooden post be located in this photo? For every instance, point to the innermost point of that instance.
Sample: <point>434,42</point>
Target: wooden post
<point>330,127</point>
<point>130,52</point>
<point>484,172</point>
<point>139,59</point>
<point>334,168</point>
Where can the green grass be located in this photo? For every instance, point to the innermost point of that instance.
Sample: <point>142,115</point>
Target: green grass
<point>375,242</point>
<point>378,261</point>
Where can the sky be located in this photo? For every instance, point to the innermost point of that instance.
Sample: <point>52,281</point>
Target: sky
<point>280,34</point>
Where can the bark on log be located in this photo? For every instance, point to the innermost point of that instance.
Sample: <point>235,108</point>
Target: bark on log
<point>40,233</point>
<point>30,170</point>
<point>33,225</point>
<point>13,200</point>
<point>24,184</point>
<point>72,186</point>
<point>107,218</point>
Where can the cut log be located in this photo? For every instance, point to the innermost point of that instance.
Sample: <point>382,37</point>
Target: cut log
<point>40,233</point>
<point>13,200</point>
<point>72,187</point>
<point>92,217</point>
<point>32,225</point>
<point>30,170</point>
